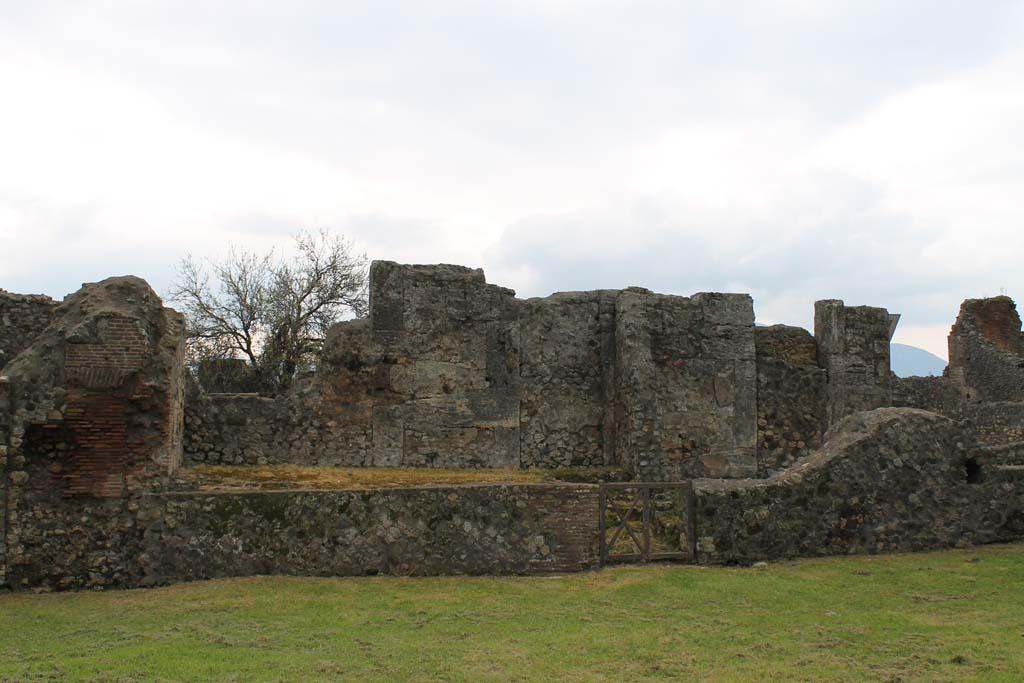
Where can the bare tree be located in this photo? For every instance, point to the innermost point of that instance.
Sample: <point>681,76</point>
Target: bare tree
<point>271,313</point>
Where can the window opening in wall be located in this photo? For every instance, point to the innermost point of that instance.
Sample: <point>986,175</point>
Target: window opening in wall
<point>972,470</point>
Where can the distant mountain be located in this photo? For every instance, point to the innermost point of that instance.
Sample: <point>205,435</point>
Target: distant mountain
<point>909,360</point>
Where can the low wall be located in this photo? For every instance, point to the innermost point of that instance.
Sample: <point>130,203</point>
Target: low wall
<point>169,537</point>
<point>236,429</point>
<point>894,479</point>
<point>997,423</point>
<point>938,394</point>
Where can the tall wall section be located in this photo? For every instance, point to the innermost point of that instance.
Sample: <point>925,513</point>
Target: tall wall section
<point>92,410</point>
<point>986,350</point>
<point>686,376</point>
<point>449,371</point>
<point>567,379</point>
<point>853,348</point>
<point>790,397</point>
<point>984,383</point>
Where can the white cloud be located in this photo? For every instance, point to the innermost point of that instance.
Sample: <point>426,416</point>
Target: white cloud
<point>799,150</point>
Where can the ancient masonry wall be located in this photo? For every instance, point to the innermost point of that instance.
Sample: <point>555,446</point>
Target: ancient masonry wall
<point>22,318</point>
<point>893,479</point>
<point>163,538</point>
<point>984,383</point>
<point>853,348</point>
<point>687,394</point>
<point>790,397</point>
<point>937,394</point>
<point>995,424</point>
<point>93,409</point>
<point>986,350</point>
<point>449,371</point>
<point>5,453</point>
<point>567,375</point>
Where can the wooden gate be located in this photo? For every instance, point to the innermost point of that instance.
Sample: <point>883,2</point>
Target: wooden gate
<point>629,525</point>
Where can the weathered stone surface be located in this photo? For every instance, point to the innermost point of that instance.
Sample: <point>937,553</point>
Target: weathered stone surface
<point>567,367</point>
<point>451,371</point>
<point>986,350</point>
<point>93,407</point>
<point>938,394</point>
<point>790,397</point>
<point>22,318</point>
<point>162,538</point>
<point>996,423</point>
<point>853,348</point>
<point>893,479</point>
<point>686,376</point>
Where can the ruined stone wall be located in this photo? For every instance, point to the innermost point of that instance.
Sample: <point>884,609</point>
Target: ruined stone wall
<point>995,424</point>
<point>986,350</point>
<point>853,348</point>
<point>162,538</point>
<point>567,380</point>
<point>686,376</point>
<point>448,346</point>
<point>6,417</point>
<point>93,407</point>
<point>236,429</point>
<point>938,394</point>
<point>22,318</point>
<point>790,397</point>
<point>893,479</point>
<point>449,371</point>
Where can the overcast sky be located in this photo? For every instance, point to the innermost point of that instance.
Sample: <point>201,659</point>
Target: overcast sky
<point>796,150</point>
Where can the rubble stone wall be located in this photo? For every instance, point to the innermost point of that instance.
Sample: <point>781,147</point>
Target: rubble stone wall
<point>154,539</point>
<point>893,479</point>
<point>567,379</point>
<point>687,385</point>
<point>22,318</point>
<point>449,371</point>
<point>790,397</point>
<point>986,350</point>
<point>938,394</point>
<point>853,348</point>
<point>996,423</point>
<point>93,408</point>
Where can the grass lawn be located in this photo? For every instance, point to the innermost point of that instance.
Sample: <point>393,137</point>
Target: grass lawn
<point>943,616</point>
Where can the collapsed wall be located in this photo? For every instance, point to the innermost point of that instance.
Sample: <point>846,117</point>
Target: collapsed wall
<point>986,350</point>
<point>983,386</point>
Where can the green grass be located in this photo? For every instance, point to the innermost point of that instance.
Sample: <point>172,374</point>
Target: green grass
<point>944,616</point>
